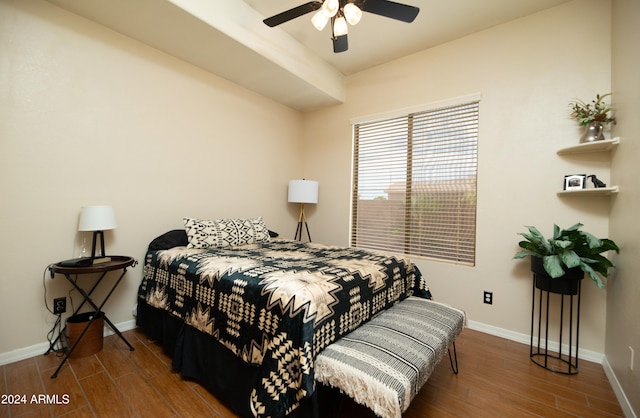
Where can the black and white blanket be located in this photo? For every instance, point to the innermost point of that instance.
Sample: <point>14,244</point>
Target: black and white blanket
<point>278,304</point>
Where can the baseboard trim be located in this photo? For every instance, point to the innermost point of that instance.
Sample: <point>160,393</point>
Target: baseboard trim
<point>38,349</point>
<point>627,410</point>
<point>526,339</point>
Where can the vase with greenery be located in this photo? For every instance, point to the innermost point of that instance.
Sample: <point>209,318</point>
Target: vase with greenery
<point>568,249</point>
<point>593,115</point>
<point>596,110</point>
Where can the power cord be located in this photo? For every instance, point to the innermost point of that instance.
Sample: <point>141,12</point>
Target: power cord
<point>58,324</point>
<point>44,285</point>
<point>70,294</point>
<point>53,332</point>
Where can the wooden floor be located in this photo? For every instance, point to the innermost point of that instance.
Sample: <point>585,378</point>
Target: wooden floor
<point>496,379</point>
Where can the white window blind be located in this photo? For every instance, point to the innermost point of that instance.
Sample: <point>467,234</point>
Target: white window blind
<point>414,183</point>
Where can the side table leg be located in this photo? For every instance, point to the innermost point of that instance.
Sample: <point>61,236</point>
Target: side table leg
<point>117,331</point>
<point>70,350</point>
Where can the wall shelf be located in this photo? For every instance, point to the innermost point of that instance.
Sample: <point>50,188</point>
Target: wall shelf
<point>588,147</point>
<point>602,191</point>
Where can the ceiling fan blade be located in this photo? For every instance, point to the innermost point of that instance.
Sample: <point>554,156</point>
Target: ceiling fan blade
<point>391,9</point>
<point>290,14</point>
<point>340,43</point>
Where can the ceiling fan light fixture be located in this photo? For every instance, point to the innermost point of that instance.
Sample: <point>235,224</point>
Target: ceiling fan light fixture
<point>330,7</point>
<point>319,20</point>
<point>340,26</point>
<point>339,12</point>
<point>352,13</point>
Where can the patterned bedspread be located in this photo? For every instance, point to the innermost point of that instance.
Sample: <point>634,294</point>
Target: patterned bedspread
<point>278,304</point>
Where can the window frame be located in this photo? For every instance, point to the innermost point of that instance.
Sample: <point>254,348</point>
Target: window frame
<point>407,113</point>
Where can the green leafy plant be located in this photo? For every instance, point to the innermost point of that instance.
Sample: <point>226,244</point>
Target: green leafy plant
<point>567,249</point>
<point>596,110</point>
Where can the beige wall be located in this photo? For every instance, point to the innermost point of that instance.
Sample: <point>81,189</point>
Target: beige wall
<point>88,116</point>
<point>623,309</point>
<point>527,71</point>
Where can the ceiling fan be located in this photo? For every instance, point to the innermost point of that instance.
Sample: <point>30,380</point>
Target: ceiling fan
<point>339,12</point>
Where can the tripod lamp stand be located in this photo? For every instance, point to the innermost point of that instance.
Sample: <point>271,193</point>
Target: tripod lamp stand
<point>303,191</point>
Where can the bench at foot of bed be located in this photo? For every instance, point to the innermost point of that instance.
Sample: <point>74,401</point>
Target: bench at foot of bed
<point>384,363</point>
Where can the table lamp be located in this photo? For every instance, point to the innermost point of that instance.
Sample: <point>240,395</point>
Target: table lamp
<point>97,219</point>
<point>303,191</point>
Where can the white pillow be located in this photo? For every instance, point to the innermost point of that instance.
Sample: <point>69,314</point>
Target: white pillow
<point>217,233</point>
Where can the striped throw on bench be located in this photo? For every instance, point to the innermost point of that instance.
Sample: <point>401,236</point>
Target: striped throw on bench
<point>385,362</point>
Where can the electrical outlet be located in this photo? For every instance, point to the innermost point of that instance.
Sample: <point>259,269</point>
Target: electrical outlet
<point>488,297</point>
<point>59,306</point>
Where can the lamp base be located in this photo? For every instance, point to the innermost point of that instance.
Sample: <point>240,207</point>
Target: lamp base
<point>93,244</point>
<point>302,219</point>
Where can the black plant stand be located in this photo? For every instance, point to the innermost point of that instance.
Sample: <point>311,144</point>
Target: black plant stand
<point>546,290</point>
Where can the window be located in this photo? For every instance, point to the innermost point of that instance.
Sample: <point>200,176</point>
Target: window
<point>414,183</point>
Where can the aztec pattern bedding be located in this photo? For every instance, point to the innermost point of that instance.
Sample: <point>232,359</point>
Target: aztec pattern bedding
<point>277,304</point>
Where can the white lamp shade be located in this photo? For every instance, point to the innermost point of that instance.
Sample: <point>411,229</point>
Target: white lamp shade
<point>303,191</point>
<point>340,26</point>
<point>330,7</point>
<point>320,20</point>
<point>97,218</point>
<point>352,13</point>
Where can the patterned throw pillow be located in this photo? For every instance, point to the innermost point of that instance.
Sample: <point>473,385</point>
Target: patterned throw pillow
<point>225,232</point>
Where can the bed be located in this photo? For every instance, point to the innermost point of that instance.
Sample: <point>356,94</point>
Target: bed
<point>246,314</point>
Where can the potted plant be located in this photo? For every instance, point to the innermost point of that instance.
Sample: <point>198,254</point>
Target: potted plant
<point>593,115</point>
<point>568,254</point>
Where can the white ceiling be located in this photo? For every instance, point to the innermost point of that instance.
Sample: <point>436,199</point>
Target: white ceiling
<point>376,39</point>
<point>293,63</point>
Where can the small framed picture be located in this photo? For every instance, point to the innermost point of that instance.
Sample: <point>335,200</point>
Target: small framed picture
<point>575,181</point>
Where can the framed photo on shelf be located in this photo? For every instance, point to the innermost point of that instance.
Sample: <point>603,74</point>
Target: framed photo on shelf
<point>575,181</point>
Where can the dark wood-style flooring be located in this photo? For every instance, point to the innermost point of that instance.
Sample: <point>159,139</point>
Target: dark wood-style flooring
<point>496,379</point>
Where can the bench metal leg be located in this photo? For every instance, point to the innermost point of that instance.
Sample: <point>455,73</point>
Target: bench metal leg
<point>452,361</point>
